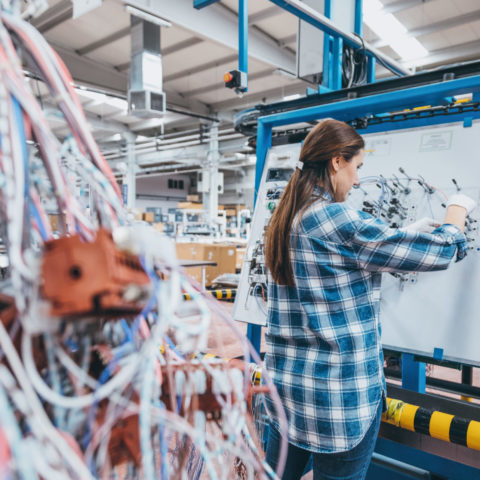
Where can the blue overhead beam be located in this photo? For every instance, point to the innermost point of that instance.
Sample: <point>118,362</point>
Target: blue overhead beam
<point>374,104</point>
<point>198,4</point>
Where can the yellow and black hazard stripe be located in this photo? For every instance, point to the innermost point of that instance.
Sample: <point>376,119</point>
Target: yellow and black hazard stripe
<point>444,426</point>
<point>226,294</point>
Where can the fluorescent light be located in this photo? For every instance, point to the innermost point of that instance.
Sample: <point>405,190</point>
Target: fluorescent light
<point>291,97</point>
<point>389,29</point>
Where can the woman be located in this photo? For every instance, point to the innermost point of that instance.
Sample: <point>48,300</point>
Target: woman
<point>323,333</point>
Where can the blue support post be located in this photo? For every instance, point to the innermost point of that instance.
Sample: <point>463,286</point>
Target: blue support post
<point>327,43</point>
<point>254,334</point>
<point>296,9</point>
<point>371,64</point>
<point>198,4</point>
<point>413,374</point>
<point>358,26</point>
<point>264,142</point>
<point>243,38</point>
<point>337,58</point>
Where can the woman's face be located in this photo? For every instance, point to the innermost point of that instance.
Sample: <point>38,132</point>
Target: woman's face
<point>344,175</point>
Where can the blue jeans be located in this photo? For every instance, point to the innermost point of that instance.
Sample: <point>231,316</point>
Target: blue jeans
<point>350,465</point>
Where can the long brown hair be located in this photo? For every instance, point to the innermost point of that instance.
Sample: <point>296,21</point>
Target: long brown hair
<point>329,139</point>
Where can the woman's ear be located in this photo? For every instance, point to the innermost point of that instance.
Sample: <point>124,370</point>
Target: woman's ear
<point>335,163</point>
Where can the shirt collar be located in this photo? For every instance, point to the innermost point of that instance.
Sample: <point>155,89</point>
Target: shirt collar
<point>319,191</point>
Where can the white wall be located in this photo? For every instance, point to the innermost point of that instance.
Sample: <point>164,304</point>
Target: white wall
<point>238,189</point>
<point>153,191</point>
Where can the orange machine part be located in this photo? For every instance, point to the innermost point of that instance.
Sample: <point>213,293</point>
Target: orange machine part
<point>90,278</point>
<point>8,310</point>
<point>124,444</point>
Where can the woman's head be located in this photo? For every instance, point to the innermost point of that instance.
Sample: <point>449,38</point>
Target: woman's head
<point>331,155</point>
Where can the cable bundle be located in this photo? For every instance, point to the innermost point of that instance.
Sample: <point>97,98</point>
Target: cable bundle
<point>101,391</point>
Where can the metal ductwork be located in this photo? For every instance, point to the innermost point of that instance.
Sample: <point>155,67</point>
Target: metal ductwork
<point>145,96</point>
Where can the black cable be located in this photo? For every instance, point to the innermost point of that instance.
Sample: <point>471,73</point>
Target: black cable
<point>360,59</point>
<point>379,59</point>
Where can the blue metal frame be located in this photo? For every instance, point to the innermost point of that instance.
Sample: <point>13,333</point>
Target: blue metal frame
<point>198,4</point>
<point>413,373</point>
<point>327,29</point>
<point>422,121</point>
<point>348,109</point>
<point>414,376</point>
<point>440,466</point>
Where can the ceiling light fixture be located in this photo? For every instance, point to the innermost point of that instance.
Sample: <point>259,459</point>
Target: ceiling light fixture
<point>391,30</point>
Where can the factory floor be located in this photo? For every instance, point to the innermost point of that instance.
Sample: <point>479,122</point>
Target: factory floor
<point>223,342</point>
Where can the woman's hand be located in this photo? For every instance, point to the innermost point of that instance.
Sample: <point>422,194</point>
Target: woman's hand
<point>425,225</point>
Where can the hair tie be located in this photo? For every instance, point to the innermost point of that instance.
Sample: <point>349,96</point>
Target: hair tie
<point>299,165</point>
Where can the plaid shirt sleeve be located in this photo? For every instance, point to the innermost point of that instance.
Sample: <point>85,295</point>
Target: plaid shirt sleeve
<point>369,243</point>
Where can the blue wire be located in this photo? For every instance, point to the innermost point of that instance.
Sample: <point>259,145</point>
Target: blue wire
<point>153,298</point>
<point>33,210</point>
<point>172,346</point>
<point>36,215</point>
<point>17,112</point>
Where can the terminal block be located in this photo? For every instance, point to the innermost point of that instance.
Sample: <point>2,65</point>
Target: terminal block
<point>92,278</point>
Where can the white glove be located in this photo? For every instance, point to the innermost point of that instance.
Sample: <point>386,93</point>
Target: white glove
<point>425,225</point>
<point>462,201</point>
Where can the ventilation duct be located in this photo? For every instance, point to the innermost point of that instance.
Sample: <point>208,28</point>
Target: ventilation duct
<point>145,96</point>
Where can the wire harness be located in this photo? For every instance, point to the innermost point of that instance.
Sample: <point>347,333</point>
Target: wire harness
<point>102,373</point>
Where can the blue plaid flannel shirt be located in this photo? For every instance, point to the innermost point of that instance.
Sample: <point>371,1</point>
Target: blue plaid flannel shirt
<point>323,334</point>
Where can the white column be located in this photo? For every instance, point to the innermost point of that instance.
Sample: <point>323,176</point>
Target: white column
<point>210,172</point>
<point>129,177</point>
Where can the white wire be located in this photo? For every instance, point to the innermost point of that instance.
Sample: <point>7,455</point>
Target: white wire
<point>119,381</point>
<point>40,416</point>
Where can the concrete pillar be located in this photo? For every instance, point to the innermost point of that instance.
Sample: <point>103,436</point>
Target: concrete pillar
<point>210,172</point>
<point>129,177</point>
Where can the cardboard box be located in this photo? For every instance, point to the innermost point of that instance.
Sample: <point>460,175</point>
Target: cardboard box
<point>223,255</point>
<point>190,205</point>
<point>193,198</point>
<point>157,211</point>
<point>149,217</point>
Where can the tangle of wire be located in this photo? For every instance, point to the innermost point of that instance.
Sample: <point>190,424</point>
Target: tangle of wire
<point>69,390</point>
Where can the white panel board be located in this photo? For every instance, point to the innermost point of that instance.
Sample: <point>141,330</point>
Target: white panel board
<point>434,309</point>
<point>419,312</point>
